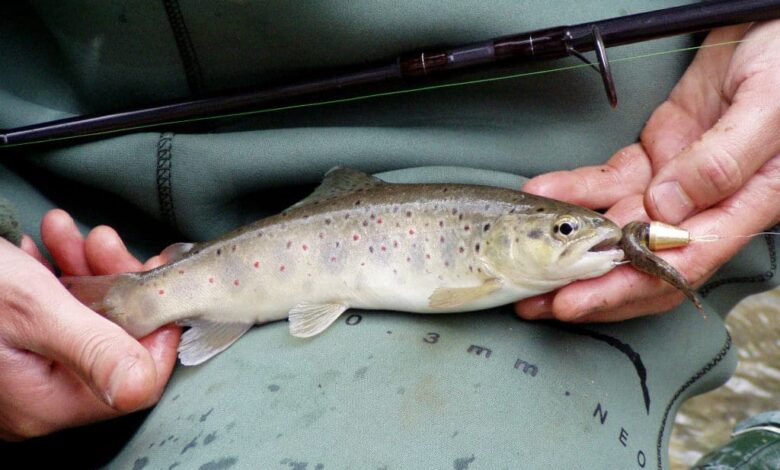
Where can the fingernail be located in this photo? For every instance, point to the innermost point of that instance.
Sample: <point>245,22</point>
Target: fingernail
<point>119,378</point>
<point>671,202</point>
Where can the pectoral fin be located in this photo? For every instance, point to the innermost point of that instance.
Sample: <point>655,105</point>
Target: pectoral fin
<point>312,319</point>
<point>205,339</point>
<point>444,297</point>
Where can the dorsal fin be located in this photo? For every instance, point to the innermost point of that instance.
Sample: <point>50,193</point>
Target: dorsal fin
<point>339,181</point>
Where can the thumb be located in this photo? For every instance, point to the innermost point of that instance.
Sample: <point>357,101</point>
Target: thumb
<point>723,160</point>
<point>118,369</point>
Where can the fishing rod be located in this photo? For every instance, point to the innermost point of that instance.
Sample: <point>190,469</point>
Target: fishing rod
<point>544,44</point>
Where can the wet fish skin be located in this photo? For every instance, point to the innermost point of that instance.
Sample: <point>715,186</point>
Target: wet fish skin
<point>358,242</point>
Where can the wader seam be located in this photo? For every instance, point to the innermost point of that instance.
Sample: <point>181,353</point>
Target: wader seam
<point>189,57</point>
<point>701,373</point>
<point>762,277</point>
<point>164,189</point>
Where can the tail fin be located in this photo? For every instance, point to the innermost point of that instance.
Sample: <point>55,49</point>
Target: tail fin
<point>91,290</point>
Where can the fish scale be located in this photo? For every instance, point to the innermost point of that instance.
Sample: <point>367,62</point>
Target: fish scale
<point>358,242</point>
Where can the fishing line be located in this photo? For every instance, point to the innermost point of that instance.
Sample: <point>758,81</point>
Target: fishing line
<point>716,238</point>
<point>371,96</point>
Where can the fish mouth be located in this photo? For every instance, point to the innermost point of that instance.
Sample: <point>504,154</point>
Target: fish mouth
<point>606,242</point>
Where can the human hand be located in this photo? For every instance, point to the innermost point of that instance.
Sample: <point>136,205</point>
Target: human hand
<point>61,364</point>
<point>708,160</point>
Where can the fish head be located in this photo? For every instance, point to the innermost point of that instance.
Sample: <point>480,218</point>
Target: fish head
<point>549,249</point>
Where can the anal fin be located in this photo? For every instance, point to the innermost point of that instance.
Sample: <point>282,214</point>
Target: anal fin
<point>308,320</point>
<point>205,339</point>
<point>445,297</point>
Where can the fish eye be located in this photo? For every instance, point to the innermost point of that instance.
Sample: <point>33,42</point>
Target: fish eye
<point>564,227</point>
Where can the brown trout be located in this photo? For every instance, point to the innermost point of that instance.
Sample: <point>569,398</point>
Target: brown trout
<point>358,242</point>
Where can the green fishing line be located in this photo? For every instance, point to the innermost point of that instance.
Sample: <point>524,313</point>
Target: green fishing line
<point>384,94</point>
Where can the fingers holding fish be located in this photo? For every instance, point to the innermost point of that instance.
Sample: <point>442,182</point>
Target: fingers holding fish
<point>719,125</point>
<point>61,364</point>
<point>106,253</point>
<point>29,246</point>
<point>65,243</point>
<point>627,172</point>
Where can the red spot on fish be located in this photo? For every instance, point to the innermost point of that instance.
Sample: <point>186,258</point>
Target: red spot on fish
<point>257,264</point>
<point>427,256</point>
<point>333,259</point>
<point>211,280</point>
<point>411,231</point>
<point>461,249</point>
<point>372,216</point>
<point>282,268</point>
<point>289,244</point>
<point>162,292</point>
<point>467,228</point>
<point>356,237</point>
<point>181,271</point>
<point>305,247</point>
<point>236,282</point>
<point>379,220</point>
<point>384,248</point>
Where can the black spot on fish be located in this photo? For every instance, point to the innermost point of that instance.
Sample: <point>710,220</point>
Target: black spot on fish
<point>357,203</point>
<point>273,388</point>
<point>454,211</point>
<point>220,464</point>
<point>219,251</point>
<point>486,227</point>
<point>327,221</point>
<point>190,445</point>
<point>535,234</point>
<point>408,213</point>
<point>460,216</point>
<point>205,416</point>
<point>476,247</point>
<point>540,209</point>
<point>209,438</point>
<point>140,463</point>
<point>463,463</point>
